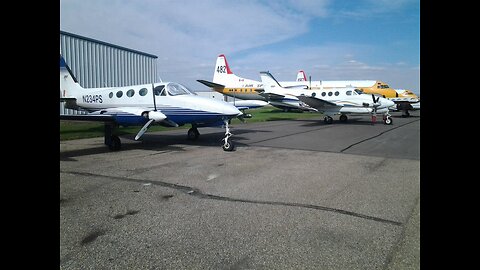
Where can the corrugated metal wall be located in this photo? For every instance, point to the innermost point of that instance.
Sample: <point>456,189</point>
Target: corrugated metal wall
<point>99,64</point>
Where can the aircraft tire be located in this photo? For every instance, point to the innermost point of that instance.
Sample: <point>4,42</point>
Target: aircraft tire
<point>343,118</point>
<point>115,143</point>
<point>388,121</point>
<point>228,146</point>
<point>193,134</point>
<point>328,120</point>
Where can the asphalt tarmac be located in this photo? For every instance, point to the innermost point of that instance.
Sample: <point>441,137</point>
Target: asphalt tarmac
<point>296,194</point>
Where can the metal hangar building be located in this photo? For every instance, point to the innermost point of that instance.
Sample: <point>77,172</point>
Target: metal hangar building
<point>100,64</point>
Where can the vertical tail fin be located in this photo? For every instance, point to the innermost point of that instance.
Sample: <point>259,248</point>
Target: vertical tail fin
<point>69,85</point>
<point>269,82</point>
<point>222,73</point>
<point>301,77</point>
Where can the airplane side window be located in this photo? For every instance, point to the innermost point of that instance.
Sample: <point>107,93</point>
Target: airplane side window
<point>110,95</point>
<point>336,93</point>
<point>130,93</point>
<point>323,94</point>
<point>329,94</point>
<point>143,92</point>
<point>159,90</point>
<point>349,93</point>
<point>119,94</point>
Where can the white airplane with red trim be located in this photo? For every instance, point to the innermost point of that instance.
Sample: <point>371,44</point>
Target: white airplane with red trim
<point>168,104</point>
<point>229,84</point>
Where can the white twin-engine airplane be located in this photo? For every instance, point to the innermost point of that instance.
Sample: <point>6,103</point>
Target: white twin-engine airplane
<point>333,101</point>
<point>167,103</point>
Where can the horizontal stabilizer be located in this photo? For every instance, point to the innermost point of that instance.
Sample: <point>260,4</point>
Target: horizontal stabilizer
<point>211,84</point>
<point>271,95</point>
<point>296,87</point>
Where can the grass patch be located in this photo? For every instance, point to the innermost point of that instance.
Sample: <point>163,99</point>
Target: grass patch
<point>71,130</point>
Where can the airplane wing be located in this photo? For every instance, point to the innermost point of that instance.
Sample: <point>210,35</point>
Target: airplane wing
<point>121,115</point>
<point>317,103</point>
<point>211,84</point>
<point>88,117</point>
<point>104,115</point>
<point>248,104</point>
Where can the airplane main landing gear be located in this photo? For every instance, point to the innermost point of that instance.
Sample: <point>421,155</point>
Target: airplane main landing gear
<point>115,143</point>
<point>111,140</point>
<point>328,119</point>
<point>227,144</point>
<point>193,133</point>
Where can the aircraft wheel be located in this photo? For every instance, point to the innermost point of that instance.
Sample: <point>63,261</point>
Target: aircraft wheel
<point>388,121</point>
<point>328,120</point>
<point>115,143</point>
<point>343,118</point>
<point>193,134</point>
<point>228,146</point>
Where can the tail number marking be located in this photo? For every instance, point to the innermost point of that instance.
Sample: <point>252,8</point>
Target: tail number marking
<point>221,69</point>
<point>92,98</point>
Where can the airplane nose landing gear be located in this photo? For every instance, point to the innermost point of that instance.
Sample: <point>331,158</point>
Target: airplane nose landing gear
<point>387,119</point>
<point>227,144</point>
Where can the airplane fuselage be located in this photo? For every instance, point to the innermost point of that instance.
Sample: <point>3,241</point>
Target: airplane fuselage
<point>132,101</point>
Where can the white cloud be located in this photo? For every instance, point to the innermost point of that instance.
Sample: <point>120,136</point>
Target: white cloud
<point>187,36</point>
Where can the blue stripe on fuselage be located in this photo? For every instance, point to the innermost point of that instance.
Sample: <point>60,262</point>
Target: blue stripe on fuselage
<point>179,118</point>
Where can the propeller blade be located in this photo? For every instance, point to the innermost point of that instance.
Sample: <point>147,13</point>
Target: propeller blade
<point>144,128</point>
<point>154,102</point>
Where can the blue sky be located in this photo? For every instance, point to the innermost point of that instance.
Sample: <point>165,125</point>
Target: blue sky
<point>328,39</point>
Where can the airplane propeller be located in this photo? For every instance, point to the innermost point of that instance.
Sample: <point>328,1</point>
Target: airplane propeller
<point>375,103</point>
<point>152,116</point>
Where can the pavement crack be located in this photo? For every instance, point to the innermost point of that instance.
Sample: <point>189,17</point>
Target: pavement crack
<point>197,193</point>
<point>379,134</point>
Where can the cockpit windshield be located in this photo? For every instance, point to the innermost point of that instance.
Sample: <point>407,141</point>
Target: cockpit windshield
<point>358,92</point>
<point>175,89</point>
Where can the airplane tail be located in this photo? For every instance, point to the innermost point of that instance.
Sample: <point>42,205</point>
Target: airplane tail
<point>69,86</point>
<point>223,74</point>
<point>301,77</point>
<point>269,82</point>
